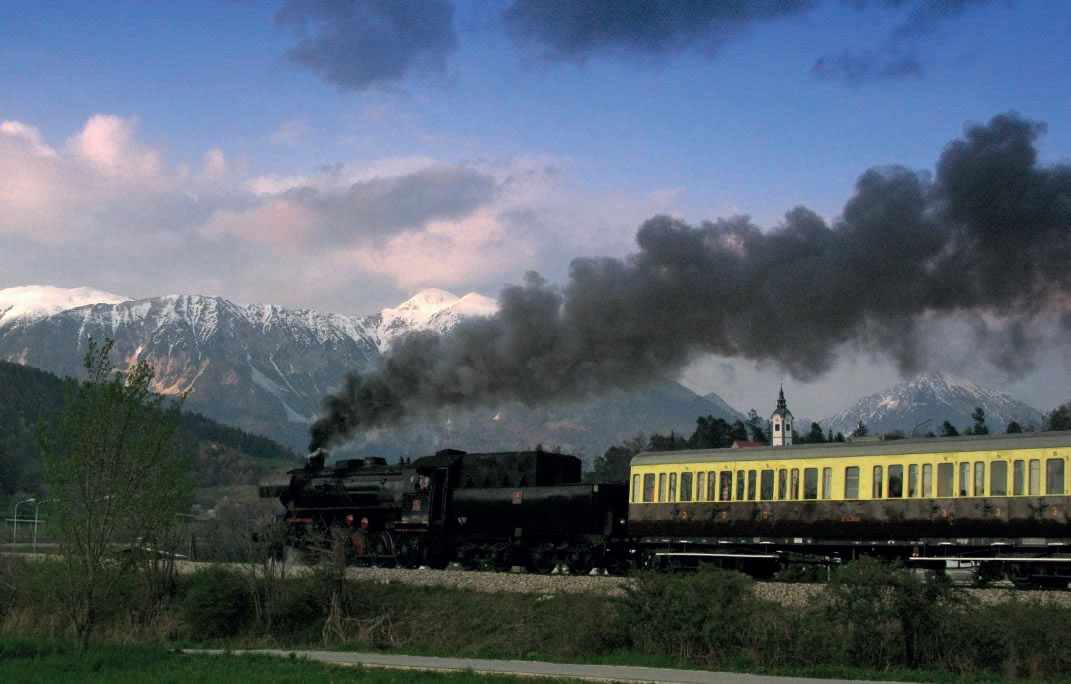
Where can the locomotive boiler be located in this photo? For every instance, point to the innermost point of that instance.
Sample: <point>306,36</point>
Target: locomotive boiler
<point>496,510</point>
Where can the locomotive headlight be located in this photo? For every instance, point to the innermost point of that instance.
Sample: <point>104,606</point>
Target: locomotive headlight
<point>622,521</point>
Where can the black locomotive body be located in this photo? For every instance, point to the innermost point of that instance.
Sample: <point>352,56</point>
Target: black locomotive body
<point>496,510</point>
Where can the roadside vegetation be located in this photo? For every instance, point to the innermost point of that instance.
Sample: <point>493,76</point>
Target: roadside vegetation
<point>873,622</point>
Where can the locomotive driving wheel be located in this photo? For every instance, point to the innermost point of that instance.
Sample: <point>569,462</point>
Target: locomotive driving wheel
<point>384,549</point>
<point>409,550</point>
<point>361,546</point>
<point>542,558</point>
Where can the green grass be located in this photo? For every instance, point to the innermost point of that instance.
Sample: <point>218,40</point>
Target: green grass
<point>23,660</point>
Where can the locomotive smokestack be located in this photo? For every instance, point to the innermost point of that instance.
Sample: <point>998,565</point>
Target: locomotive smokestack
<point>989,235</point>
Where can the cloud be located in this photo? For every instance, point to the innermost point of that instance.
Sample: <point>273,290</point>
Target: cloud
<point>109,143</point>
<point>369,210</point>
<point>868,67</point>
<point>109,209</point>
<point>364,44</point>
<point>573,31</point>
<point>898,58</point>
<point>290,132</point>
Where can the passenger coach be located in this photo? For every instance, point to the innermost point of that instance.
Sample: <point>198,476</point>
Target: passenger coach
<point>998,504</point>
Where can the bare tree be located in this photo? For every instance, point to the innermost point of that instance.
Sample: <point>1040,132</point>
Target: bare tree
<point>119,475</point>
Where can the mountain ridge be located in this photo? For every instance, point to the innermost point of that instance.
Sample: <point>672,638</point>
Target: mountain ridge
<point>266,369</point>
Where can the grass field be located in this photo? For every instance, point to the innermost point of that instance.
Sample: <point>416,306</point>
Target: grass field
<point>23,660</point>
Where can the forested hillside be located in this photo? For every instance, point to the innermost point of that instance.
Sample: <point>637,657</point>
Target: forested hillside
<point>225,455</point>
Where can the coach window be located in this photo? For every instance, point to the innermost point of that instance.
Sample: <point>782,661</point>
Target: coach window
<point>851,482</point>
<point>726,485</point>
<point>998,478</point>
<point>1035,477</point>
<point>896,481</point>
<point>964,479</point>
<point>635,488</point>
<point>979,478</point>
<point>876,493</point>
<point>1018,477</point>
<point>1054,476</point>
<point>740,478</point>
<point>794,490</point>
<point>686,486</point>
<point>913,480</point>
<point>782,483</point>
<point>699,486</point>
<point>751,480</point>
<point>810,483</point>
<point>827,483</point>
<point>766,485</point>
<point>945,474</point>
<point>673,486</point>
<point>712,486</point>
<point>927,479</point>
<point>648,487</point>
<point>661,487</point>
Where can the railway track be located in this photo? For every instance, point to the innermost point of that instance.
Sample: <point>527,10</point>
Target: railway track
<point>784,593</point>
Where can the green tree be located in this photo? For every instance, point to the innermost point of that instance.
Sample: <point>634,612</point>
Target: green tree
<point>672,442</point>
<point>757,426</point>
<point>711,433</point>
<point>613,466</point>
<point>815,436</point>
<point>860,430</point>
<point>1059,418</point>
<point>1013,427</point>
<point>979,427</point>
<point>949,430</point>
<point>118,475</point>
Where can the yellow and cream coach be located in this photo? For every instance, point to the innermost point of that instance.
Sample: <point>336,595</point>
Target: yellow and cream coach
<point>998,503</point>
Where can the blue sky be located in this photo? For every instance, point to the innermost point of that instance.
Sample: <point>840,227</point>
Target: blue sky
<point>341,156</point>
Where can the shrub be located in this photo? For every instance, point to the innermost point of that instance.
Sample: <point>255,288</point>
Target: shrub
<point>216,603</point>
<point>709,616</point>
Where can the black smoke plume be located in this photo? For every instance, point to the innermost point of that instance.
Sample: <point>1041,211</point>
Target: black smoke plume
<point>988,236</point>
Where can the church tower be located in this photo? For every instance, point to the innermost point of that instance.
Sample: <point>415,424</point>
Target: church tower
<point>781,422</point>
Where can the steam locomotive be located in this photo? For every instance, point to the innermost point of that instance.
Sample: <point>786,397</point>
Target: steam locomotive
<point>496,510</point>
<point>997,505</point>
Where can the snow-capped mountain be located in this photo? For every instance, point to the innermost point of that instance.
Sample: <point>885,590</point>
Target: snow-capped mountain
<point>266,369</point>
<point>260,367</point>
<point>923,404</point>
<point>34,302</point>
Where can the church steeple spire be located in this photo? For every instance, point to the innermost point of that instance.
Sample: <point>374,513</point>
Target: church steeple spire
<point>781,422</point>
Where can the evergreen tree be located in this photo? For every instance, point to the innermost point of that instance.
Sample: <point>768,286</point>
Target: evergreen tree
<point>710,433</point>
<point>757,427</point>
<point>738,432</point>
<point>613,466</point>
<point>949,430</point>
<point>979,427</point>
<point>672,442</point>
<point>860,430</point>
<point>1059,418</point>
<point>815,436</point>
<point>1013,427</point>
